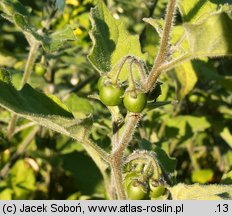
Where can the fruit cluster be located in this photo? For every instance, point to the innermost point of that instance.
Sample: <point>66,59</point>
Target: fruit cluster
<point>113,95</point>
<point>141,184</point>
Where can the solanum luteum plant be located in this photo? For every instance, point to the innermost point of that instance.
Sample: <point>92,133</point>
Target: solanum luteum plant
<point>178,45</point>
<point>128,88</point>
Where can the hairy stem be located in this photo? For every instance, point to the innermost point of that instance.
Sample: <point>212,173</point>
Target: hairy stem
<point>30,62</point>
<point>164,46</point>
<point>132,121</point>
<point>23,127</point>
<point>27,72</point>
<point>170,65</point>
<point>117,154</point>
<point>116,175</point>
<point>130,125</point>
<point>117,120</point>
<point>145,175</point>
<point>119,67</point>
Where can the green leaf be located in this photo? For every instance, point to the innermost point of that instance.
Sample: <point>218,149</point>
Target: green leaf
<point>211,38</point>
<point>227,136</point>
<point>152,106</point>
<point>156,23</point>
<point>111,41</point>
<point>201,192</point>
<point>60,4</point>
<point>24,25</point>
<point>10,7</point>
<point>58,39</point>
<point>227,178</point>
<point>6,194</point>
<point>22,180</point>
<point>197,124</point>
<point>87,175</point>
<point>4,76</point>
<point>168,163</point>
<point>202,176</point>
<point>186,79</point>
<point>50,42</point>
<point>80,107</point>
<point>28,100</point>
<point>195,10</point>
<point>46,111</point>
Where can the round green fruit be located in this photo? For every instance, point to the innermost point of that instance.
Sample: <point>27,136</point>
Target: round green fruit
<point>40,69</point>
<point>156,190</point>
<point>135,102</point>
<point>100,83</point>
<point>136,191</point>
<point>193,98</point>
<point>111,95</point>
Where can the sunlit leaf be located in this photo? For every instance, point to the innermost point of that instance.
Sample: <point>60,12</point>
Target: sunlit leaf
<point>202,176</point>
<point>201,192</point>
<point>186,78</point>
<point>211,38</point>
<point>227,136</point>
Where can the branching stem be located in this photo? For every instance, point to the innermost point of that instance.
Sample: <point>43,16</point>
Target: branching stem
<point>117,154</point>
<point>164,46</point>
<point>132,121</point>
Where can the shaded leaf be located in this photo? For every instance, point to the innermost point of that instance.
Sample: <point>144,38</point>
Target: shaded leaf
<point>4,76</point>
<point>87,175</point>
<point>10,7</point>
<point>23,24</point>
<point>58,39</point>
<point>111,41</point>
<point>168,163</point>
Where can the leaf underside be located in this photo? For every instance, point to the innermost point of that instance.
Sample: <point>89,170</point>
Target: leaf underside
<point>47,111</point>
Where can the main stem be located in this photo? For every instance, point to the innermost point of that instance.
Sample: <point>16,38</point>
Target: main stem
<point>117,155</point>
<point>27,72</point>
